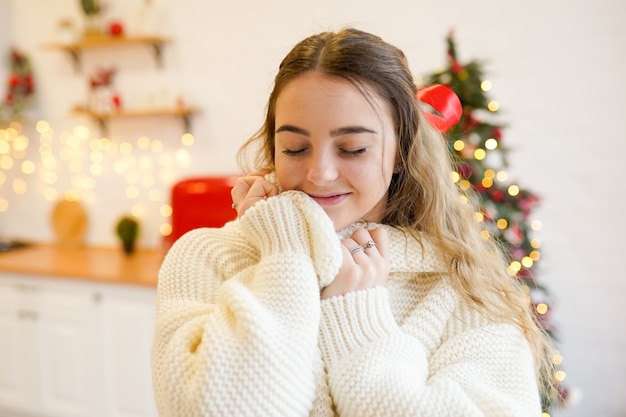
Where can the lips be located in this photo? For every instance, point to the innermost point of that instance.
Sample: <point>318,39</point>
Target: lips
<point>330,199</point>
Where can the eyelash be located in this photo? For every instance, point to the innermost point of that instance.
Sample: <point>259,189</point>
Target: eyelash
<point>354,152</point>
<point>289,152</point>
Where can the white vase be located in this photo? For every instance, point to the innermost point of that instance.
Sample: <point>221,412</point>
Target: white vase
<point>147,21</point>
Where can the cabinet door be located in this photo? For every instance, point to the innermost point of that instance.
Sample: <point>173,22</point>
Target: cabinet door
<point>46,362</point>
<point>127,330</point>
<point>17,370</point>
<point>65,335</point>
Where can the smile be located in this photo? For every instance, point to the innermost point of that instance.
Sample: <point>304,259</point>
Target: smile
<point>329,200</point>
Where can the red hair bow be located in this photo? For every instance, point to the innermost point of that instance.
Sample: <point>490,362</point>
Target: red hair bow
<point>445,102</point>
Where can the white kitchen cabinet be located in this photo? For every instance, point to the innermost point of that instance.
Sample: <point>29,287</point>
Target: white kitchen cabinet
<point>127,327</point>
<point>46,362</point>
<point>17,339</point>
<point>73,348</point>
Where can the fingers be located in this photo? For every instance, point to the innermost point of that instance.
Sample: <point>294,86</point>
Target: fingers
<point>261,189</point>
<point>249,190</point>
<point>373,241</point>
<point>241,188</point>
<point>365,263</point>
<point>380,237</point>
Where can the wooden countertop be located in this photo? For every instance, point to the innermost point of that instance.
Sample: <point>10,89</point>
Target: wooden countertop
<point>105,264</point>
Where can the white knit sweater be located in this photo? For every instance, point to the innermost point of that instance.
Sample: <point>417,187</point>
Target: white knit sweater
<point>241,330</point>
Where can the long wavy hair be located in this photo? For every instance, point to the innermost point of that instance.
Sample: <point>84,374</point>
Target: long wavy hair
<point>423,199</point>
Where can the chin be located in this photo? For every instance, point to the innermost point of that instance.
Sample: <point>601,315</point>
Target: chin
<point>340,224</point>
<point>340,221</point>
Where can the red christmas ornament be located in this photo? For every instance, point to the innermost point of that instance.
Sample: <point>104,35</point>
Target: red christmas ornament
<point>465,170</point>
<point>470,122</point>
<point>525,274</point>
<point>479,188</point>
<point>446,104</point>
<point>14,80</point>
<point>28,84</point>
<point>497,195</point>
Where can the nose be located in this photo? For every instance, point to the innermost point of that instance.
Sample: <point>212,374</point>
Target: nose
<point>321,169</point>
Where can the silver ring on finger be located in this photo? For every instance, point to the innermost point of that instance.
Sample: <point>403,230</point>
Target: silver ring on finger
<point>234,205</point>
<point>357,249</point>
<point>369,244</point>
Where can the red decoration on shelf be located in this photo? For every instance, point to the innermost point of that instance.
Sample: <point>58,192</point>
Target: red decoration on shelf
<point>116,29</point>
<point>101,94</point>
<point>117,101</point>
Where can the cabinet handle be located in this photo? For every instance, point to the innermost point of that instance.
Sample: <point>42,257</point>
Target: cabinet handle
<point>26,287</point>
<point>28,314</point>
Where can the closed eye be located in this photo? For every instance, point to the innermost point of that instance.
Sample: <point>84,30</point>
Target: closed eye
<point>293,152</point>
<point>353,152</point>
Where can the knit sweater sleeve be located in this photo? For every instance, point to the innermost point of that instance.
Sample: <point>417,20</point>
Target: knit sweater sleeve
<point>379,368</point>
<point>238,313</point>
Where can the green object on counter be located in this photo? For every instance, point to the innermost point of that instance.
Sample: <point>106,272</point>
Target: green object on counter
<point>127,229</point>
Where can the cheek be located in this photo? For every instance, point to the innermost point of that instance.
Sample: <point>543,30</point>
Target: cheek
<point>286,175</point>
<point>375,185</point>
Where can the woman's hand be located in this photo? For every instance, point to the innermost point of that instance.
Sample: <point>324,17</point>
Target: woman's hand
<point>365,263</point>
<point>249,190</point>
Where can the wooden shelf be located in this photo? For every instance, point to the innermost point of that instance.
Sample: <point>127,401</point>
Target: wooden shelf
<point>75,49</point>
<point>103,118</point>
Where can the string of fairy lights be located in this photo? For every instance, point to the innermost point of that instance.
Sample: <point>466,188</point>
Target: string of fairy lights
<point>145,165</point>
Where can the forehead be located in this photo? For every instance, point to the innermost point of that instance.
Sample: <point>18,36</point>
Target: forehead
<point>312,90</point>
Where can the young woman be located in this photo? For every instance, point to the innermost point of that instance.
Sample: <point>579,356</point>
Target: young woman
<point>355,281</point>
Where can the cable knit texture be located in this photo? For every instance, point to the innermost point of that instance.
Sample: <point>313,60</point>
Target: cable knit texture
<point>241,330</point>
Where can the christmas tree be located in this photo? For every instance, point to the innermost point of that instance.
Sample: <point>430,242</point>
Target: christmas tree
<point>477,146</point>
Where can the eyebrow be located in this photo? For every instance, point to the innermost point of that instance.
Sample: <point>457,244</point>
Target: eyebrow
<point>336,132</point>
